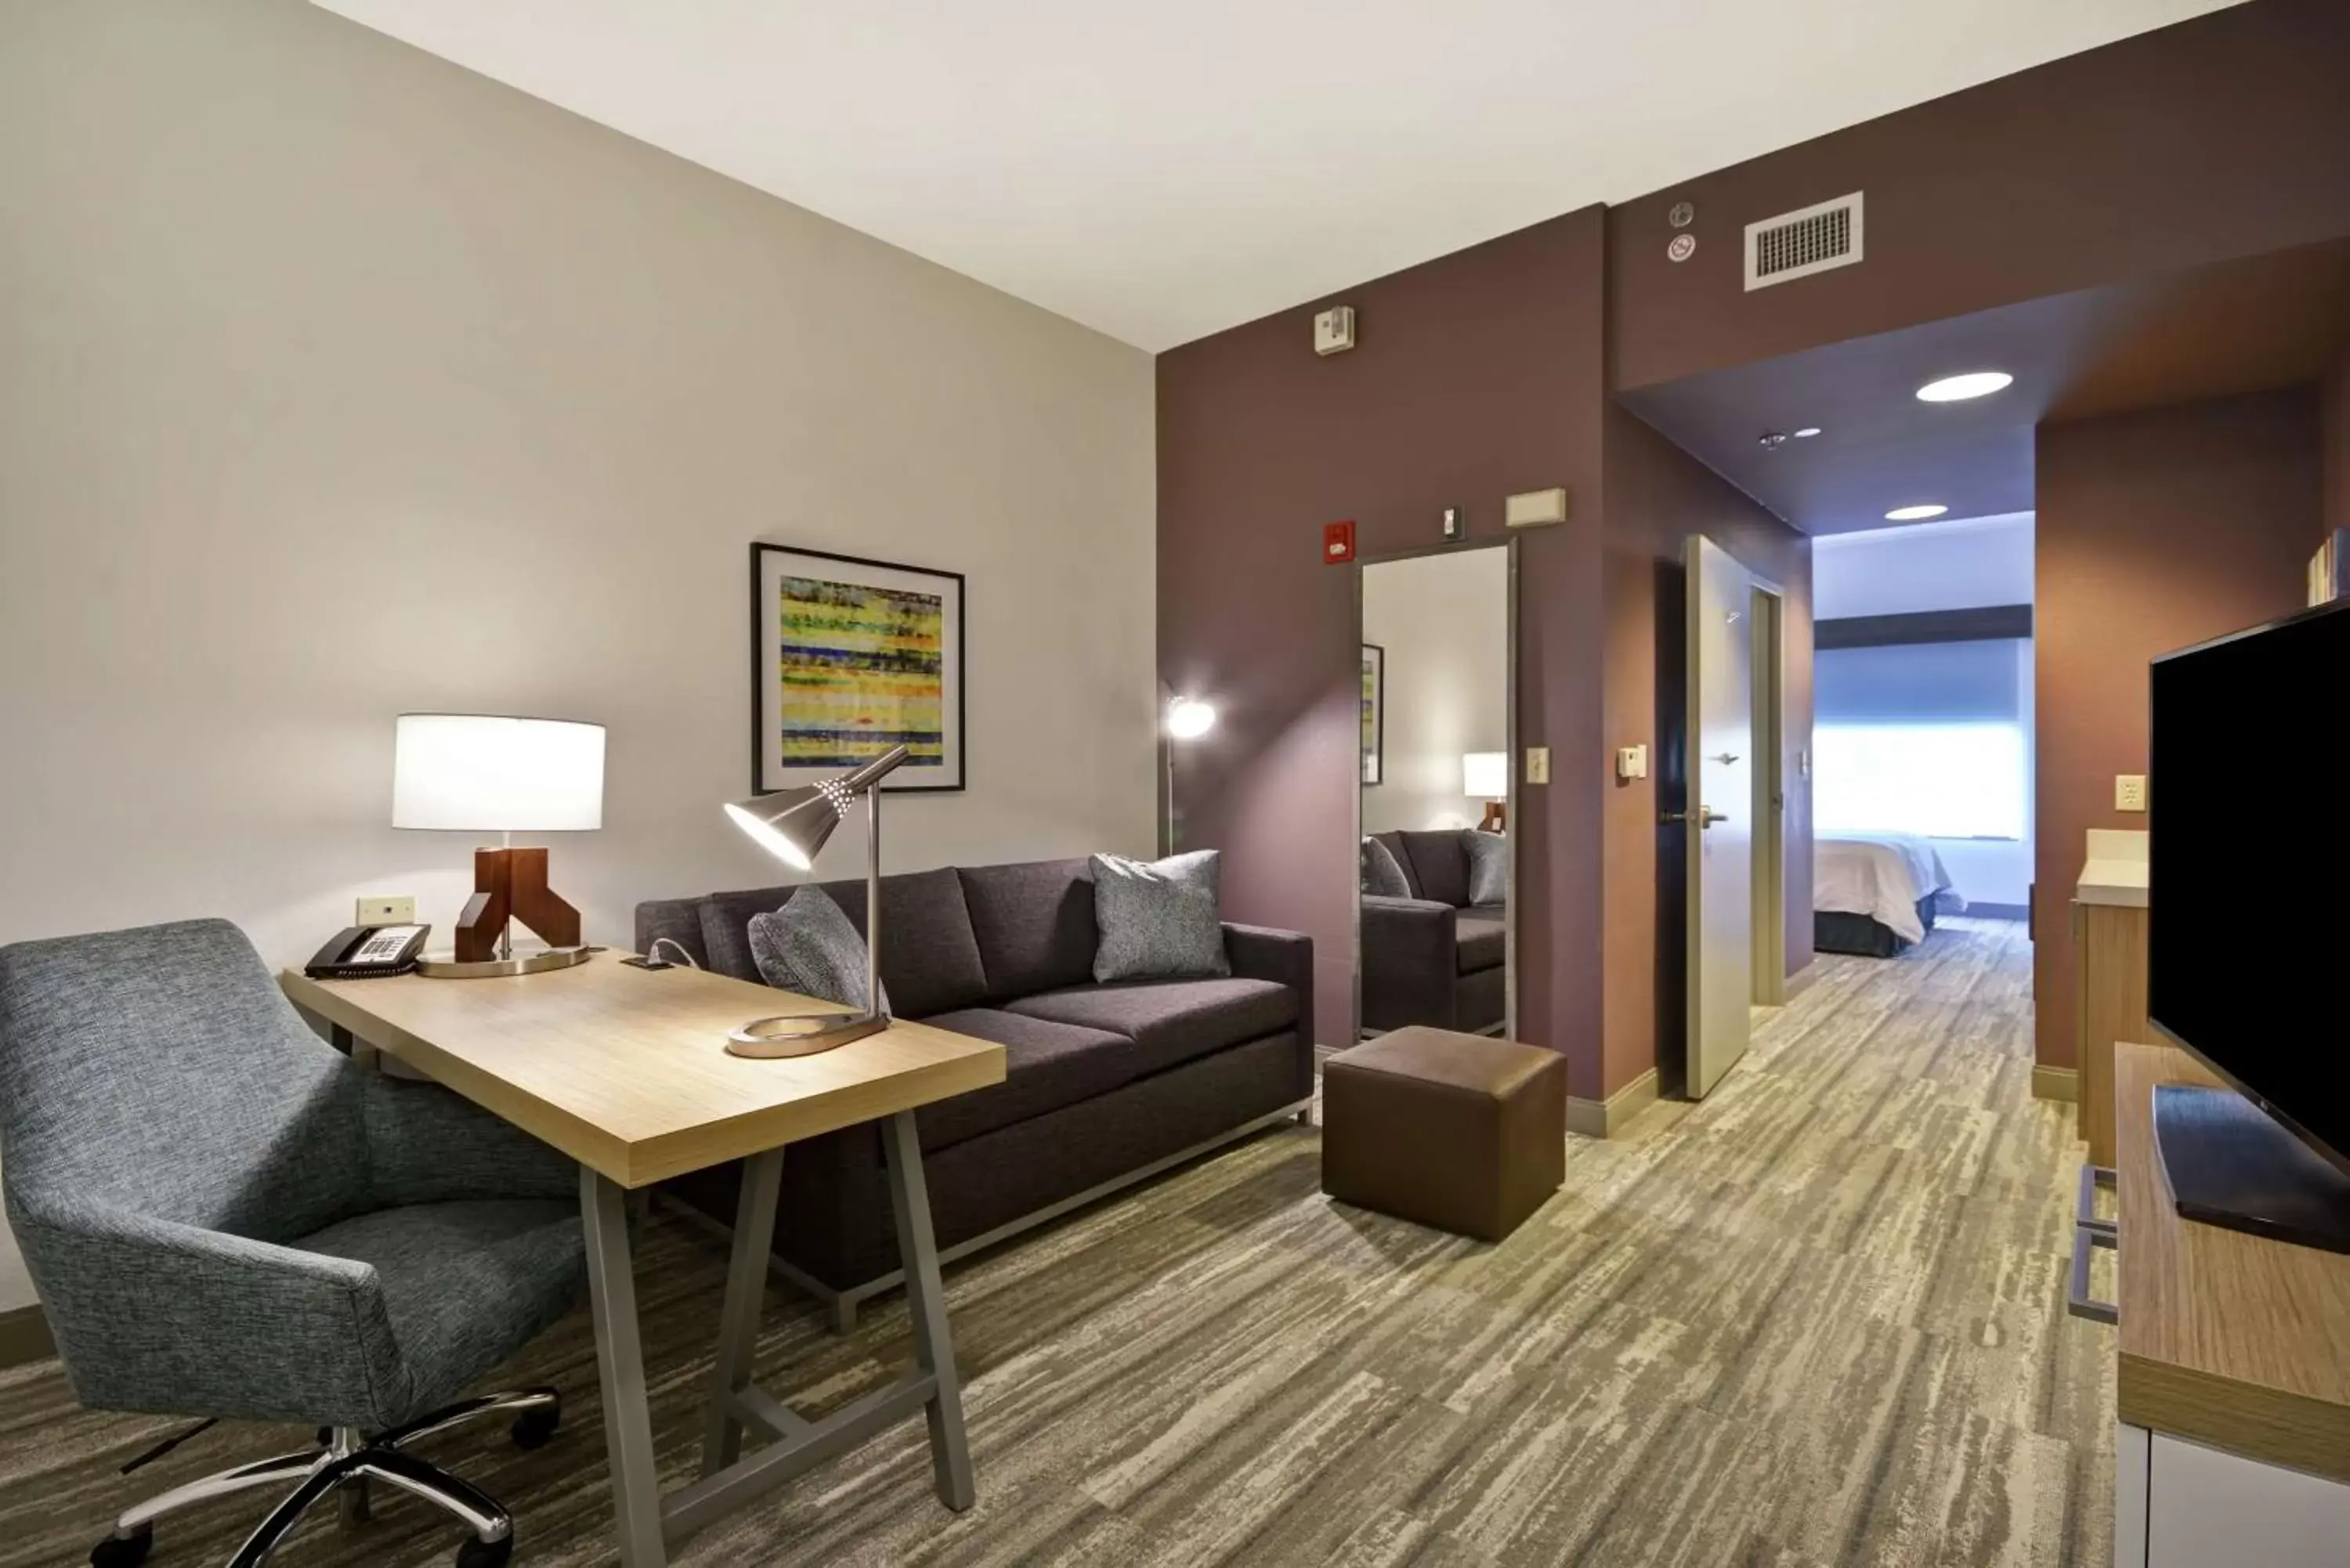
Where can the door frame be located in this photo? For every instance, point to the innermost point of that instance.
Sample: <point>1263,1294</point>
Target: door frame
<point>1767,658</point>
<point>1512,801</point>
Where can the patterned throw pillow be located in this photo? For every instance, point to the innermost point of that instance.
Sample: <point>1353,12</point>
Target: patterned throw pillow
<point>1160,919</point>
<point>1488,867</point>
<point>1383,875</point>
<point>811,946</point>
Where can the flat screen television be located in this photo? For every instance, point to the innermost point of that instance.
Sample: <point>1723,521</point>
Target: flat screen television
<point>2249,924</point>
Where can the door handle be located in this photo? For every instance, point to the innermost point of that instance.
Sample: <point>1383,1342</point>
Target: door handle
<point>1723,757</point>
<point>1704,816</point>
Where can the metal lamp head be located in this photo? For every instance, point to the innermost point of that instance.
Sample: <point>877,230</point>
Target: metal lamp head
<point>792,824</point>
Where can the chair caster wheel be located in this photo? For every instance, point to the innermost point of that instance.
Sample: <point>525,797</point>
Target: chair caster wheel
<point>479,1553</point>
<point>123,1550</point>
<point>534,1429</point>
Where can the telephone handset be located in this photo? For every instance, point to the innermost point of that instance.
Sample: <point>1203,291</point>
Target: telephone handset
<point>363,952</point>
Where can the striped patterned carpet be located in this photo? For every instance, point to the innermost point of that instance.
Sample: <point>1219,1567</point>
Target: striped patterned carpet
<point>1817,1320</point>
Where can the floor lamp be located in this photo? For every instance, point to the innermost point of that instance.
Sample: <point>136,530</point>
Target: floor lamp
<point>1188,719</point>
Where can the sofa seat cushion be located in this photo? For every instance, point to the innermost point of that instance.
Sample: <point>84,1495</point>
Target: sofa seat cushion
<point>1481,939</point>
<point>1171,1021</point>
<point>1047,1066</point>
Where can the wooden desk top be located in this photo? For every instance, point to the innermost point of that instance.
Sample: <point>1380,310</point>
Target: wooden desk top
<point>2226,1338</point>
<point>626,1070</point>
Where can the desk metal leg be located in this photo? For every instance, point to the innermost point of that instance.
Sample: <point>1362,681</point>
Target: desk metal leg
<point>620,1363</point>
<point>910,1201</point>
<point>746,1295</point>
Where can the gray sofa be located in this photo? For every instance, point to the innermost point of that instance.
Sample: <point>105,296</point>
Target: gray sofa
<point>1104,1083</point>
<point>1433,958</point>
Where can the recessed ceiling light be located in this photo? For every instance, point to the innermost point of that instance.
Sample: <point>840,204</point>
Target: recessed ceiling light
<point>1959,389</point>
<point>1914,513</point>
<point>1807,432</point>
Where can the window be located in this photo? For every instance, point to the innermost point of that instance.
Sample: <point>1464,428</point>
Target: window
<point>1924,738</point>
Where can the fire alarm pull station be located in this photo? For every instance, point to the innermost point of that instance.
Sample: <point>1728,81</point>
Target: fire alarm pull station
<point>1338,542</point>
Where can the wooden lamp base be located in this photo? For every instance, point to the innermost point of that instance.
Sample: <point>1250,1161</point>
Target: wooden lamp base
<point>510,886</point>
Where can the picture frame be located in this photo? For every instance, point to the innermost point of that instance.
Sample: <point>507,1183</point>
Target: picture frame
<point>850,656</point>
<point>1375,693</point>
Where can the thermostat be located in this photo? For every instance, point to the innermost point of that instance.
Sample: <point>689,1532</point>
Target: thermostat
<point>1334,330</point>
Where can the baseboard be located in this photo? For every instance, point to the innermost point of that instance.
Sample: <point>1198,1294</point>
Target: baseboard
<point>1799,982</point>
<point>1996,911</point>
<point>25,1335</point>
<point>2055,1083</point>
<point>1601,1118</point>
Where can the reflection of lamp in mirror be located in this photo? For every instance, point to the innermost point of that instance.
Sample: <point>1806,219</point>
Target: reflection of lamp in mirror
<point>792,824</point>
<point>1485,775</point>
<point>1186,719</point>
<point>478,773</point>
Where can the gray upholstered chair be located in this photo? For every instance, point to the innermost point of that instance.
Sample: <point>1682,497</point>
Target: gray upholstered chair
<point>225,1217</point>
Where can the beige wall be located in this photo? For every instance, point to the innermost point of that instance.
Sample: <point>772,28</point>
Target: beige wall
<point>335,381</point>
<point>1444,621</point>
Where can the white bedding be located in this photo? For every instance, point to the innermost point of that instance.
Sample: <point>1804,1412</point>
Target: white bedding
<point>1884,875</point>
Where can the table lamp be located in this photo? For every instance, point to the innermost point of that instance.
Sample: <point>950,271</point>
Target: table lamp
<point>1485,775</point>
<point>792,824</point>
<point>475,772</point>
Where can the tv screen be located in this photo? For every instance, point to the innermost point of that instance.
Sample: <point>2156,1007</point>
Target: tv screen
<point>2248,872</point>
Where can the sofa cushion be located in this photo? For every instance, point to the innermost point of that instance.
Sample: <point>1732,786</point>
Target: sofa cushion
<point>810,947</point>
<point>1160,919</point>
<point>1383,875</point>
<point>929,962</point>
<point>1489,867</point>
<point>1047,1066</point>
<point>1394,841</point>
<point>1170,1021</point>
<point>1439,865</point>
<point>1034,923</point>
<point>1481,939</point>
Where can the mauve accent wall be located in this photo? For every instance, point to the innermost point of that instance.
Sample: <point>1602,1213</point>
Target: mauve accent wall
<point>1657,497</point>
<point>2156,530</point>
<point>2216,137</point>
<point>1478,375</point>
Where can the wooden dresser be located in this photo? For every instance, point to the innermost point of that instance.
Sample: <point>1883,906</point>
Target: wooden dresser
<point>2233,1385</point>
<point>2109,935</point>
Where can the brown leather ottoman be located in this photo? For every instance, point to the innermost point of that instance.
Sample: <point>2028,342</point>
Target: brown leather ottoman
<point>1457,1131</point>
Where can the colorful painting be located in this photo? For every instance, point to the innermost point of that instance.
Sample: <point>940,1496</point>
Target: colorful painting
<point>1374,681</point>
<point>853,657</point>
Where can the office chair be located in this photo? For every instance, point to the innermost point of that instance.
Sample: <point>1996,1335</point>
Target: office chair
<point>225,1217</point>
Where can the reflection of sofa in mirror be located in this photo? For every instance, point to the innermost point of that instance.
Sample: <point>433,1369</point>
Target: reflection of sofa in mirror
<point>1433,958</point>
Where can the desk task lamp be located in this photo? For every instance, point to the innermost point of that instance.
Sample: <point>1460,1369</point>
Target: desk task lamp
<point>792,824</point>
<point>1485,775</point>
<point>473,773</point>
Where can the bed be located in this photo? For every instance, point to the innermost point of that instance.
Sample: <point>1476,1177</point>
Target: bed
<point>1876,895</point>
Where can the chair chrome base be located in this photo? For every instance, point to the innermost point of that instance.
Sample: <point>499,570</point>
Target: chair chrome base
<point>344,1460</point>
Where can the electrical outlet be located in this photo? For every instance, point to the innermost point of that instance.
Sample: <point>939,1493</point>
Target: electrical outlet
<point>2129,792</point>
<point>1631,762</point>
<point>1537,765</point>
<point>400,910</point>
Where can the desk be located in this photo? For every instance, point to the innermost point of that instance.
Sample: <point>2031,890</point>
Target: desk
<point>625,1070</point>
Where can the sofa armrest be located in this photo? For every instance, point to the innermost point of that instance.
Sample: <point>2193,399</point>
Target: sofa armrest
<point>1261,952</point>
<point>1410,961</point>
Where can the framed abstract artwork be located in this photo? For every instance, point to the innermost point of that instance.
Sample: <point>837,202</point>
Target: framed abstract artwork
<point>1375,683</point>
<point>849,658</point>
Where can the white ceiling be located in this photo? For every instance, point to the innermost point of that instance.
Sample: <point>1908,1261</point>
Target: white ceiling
<point>1162,172</point>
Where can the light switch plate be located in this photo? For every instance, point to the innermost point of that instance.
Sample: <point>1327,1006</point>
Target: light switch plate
<point>400,910</point>
<point>1537,765</point>
<point>1631,762</point>
<point>2129,792</point>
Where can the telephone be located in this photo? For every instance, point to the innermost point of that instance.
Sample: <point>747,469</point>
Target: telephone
<point>362,952</point>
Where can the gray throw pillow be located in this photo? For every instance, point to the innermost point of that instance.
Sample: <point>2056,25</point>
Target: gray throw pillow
<point>1158,919</point>
<point>810,946</point>
<point>1383,875</point>
<point>1488,867</point>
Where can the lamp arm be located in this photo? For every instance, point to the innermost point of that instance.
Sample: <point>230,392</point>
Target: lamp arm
<point>873,1008</point>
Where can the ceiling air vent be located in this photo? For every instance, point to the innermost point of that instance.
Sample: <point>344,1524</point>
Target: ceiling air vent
<point>1796,244</point>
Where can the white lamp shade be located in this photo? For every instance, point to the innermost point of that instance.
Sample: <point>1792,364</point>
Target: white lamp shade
<point>1486,774</point>
<point>472,773</point>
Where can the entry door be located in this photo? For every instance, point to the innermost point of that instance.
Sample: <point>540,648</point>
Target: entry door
<point>1718,820</point>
